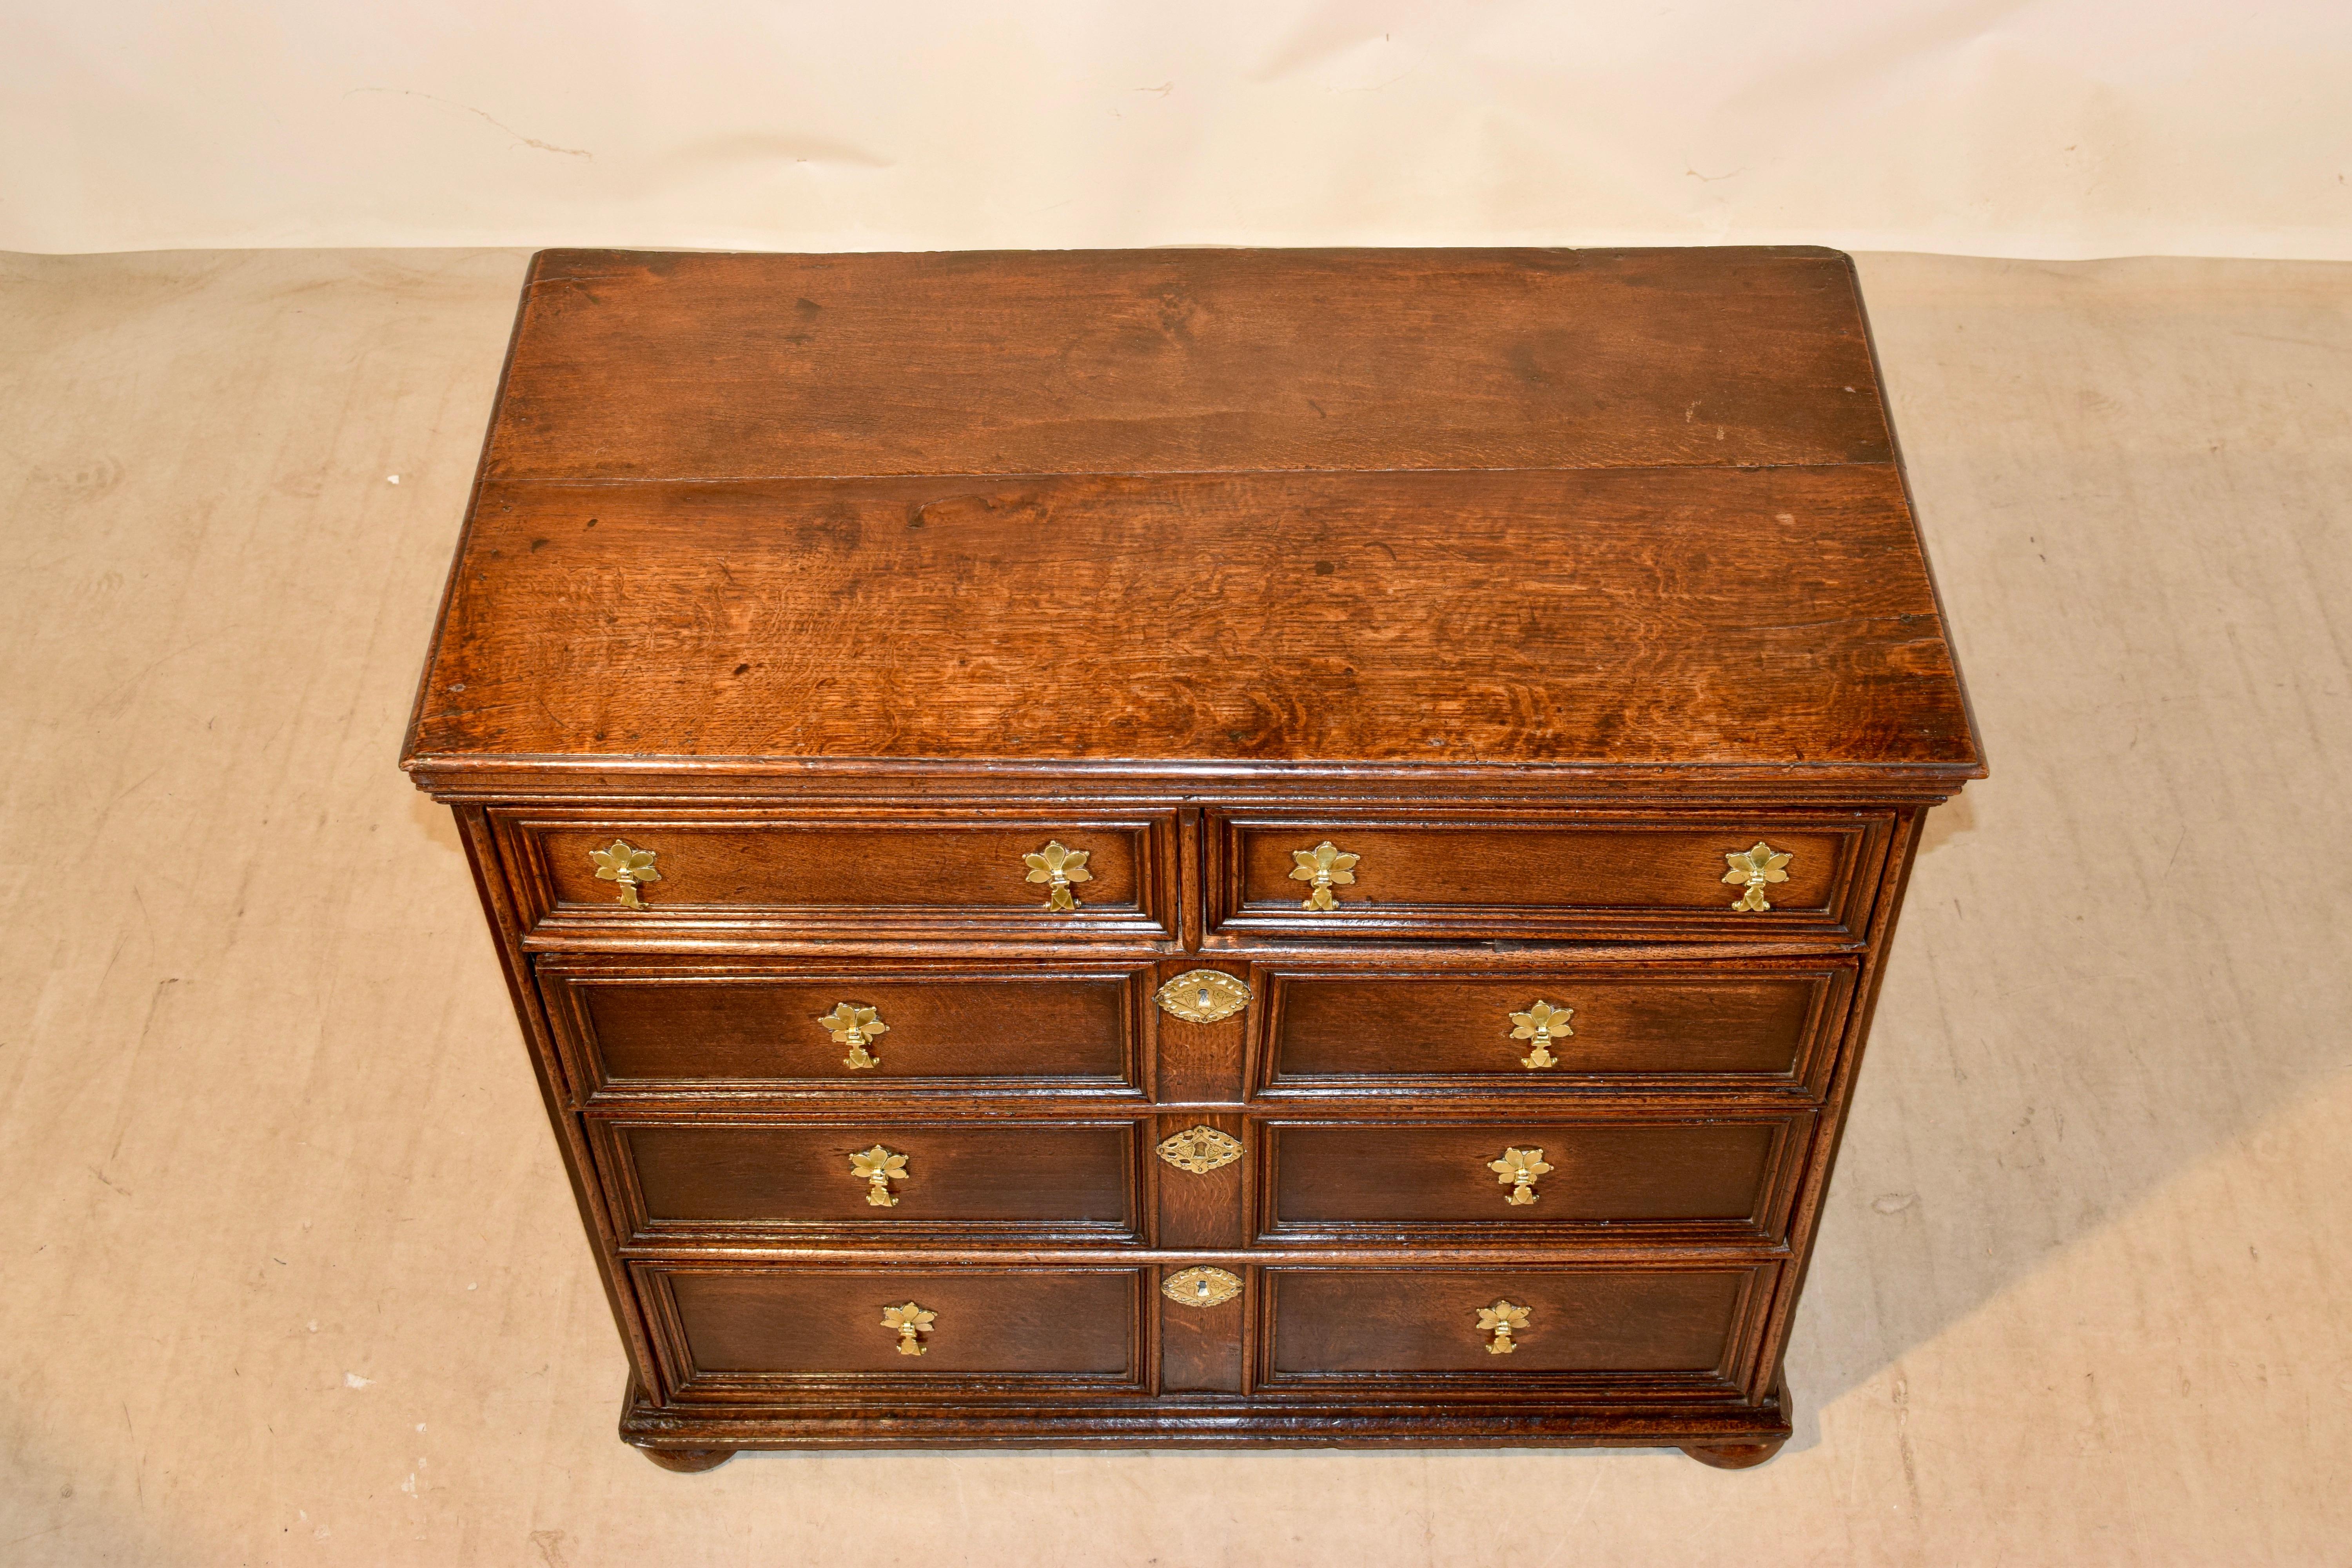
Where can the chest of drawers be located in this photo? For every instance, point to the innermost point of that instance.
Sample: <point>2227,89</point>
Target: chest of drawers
<point>1205,847</point>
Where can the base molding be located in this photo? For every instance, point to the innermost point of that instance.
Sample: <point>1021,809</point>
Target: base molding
<point>1728,1437</point>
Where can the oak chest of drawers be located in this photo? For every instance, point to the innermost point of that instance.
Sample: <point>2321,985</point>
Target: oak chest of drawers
<point>1196,846</point>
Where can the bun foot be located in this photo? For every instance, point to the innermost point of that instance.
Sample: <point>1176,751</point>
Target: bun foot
<point>1734,1456</point>
<point>688,1462</point>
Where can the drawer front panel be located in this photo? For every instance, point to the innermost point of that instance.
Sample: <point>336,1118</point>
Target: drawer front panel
<point>1728,1181</point>
<point>1665,1330</point>
<point>1742,1028</point>
<point>1662,879</point>
<point>819,875</point>
<point>708,1178</point>
<point>743,1331</point>
<point>676,1028</point>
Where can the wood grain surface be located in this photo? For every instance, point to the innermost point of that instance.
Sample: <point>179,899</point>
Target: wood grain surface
<point>1579,1320</point>
<point>660,1031</point>
<point>644,365</point>
<point>828,1323</point>
<point>1779,616</point>
<point>1727,1024</point>
<point>1606,1177</point>
<point>771,1179</point>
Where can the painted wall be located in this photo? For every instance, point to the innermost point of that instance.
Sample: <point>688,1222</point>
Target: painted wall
<point>2036,128</point>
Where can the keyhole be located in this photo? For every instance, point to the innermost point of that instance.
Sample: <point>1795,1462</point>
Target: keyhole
<point>1199,1286</point>
<point>1204,998</point>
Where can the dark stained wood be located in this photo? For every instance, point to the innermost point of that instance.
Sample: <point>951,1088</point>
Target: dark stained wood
<point>639,365</point>
<point>688,1462</point>
<point>1532,877</point>
<point>1206,1208</point>
<point>1413,618</point>
<point>1201,1063</point>
<point>713,1178</point>
<point>1732,1455</point>
<point>1424,1322</point>
<point>1540,580</point>
<point>1202,1348</point>
<point>907,866</point>
<point>913,871</point>
<point>670,1029</point>
<point>1722,1179</point>
<point>1726,1024</point>
<point>827,1323</point>
<point>1481,1417</point>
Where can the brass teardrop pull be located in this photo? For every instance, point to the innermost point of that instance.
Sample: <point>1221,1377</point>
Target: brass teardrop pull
<point>1542,1023</point>
<point>856,1027</point>
<point>1057,867</point>
<point>1517,1170</point>
<point>909,1322</point>
<point>1502,1321</point>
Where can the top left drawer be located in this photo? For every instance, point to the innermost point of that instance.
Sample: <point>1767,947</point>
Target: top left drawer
<point>689,877</point>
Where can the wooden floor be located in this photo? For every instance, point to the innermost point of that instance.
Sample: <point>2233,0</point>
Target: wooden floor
<point>291,1274</point>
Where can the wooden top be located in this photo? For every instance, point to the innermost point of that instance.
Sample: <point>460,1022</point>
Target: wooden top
<point>1617,512</point>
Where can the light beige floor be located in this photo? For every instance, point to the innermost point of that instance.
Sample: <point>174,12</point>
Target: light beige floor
<point>291,1274</point>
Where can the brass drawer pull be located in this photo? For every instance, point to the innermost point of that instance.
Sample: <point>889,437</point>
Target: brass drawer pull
<point>1517,1170</point>
<point>1200,1150</point>
<point>1502,1321</point>
<point>1327,866</point>
<point>1543,1024</point>
<point>1756,868</point>
<point>1202,1287</point>
<point>856,1027</point>
<point>1060,867</point>
<point>908,1323</point>
<point>877,1168</point>
<point>627,866</point>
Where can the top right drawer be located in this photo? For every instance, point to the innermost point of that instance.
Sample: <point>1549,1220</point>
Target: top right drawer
<point>1766,877</point>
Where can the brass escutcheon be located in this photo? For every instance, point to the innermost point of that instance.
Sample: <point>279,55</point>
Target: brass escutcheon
<point>908,1323</point>
<point>1756,867</point>
<point>1543,1024</point>
<point>877,1168</point>
<point>1202,1287</point>
<point>1502,1321</point>
<point>1327,866</point>
<point>1200,1150</point>
<point>1060,867</point>
<point>1203,996</point>
<point>856,1027</point>
<point>1517,1170</point>
<point>627,866</point>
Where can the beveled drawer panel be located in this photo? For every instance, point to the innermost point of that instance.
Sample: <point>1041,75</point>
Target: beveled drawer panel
<point>822,875</point>
<point>1656,1330</point>
<point>711,1178</point>
<point>651,1027</point>
<point>1401,1025</point>
<point>1719,1180</point>
<point>1592,874</point>
<point>739,1331</point>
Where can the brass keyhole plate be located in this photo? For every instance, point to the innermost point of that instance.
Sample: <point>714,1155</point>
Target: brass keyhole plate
<point>1203,996</point>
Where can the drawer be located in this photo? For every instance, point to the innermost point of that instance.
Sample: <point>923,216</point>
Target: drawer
<point>1523,876</point>
<point>710,1179</point>
<point>1660,1331</point>
<point>637,1028</point>
<point>1740,1026</point>
<point>1728,1179</point>
<point>743,1332</point>
<point>817,874</point>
